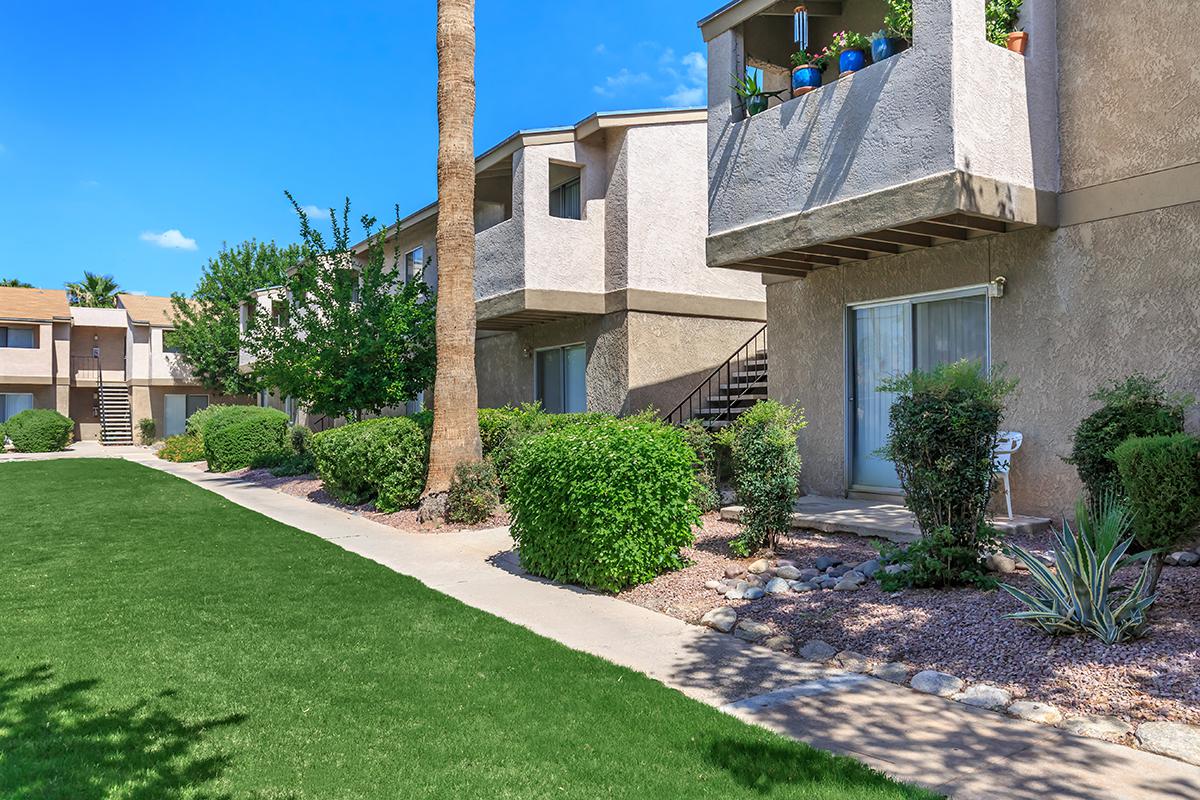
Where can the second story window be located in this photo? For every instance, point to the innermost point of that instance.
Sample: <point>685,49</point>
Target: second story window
<point>17,337</point>
<point>170,342</point>
<point>414,262</point>
<point>566,201</point>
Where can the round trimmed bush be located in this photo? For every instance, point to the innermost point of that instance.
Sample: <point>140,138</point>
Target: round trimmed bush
<point>235,436</point>
<point>39,430</point>
<point>605,503</point>
<point>383,458</point>
<point>198,421</point>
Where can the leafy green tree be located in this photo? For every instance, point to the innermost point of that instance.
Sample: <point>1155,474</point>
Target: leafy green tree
<point>94,291</point>
<point>354,337</point>
<point>207,328</point>
<point>13,283</point>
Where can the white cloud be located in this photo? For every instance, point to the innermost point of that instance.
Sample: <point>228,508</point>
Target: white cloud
<point>315,212</point>
<point>171,240</point>
<point>600,49</point>
<point>616,84</point>
<point>691,78</point>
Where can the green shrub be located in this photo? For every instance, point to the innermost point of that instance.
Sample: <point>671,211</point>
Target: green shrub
<point>603,502</point>
<point>235,436</point>
<point>502,430</point>
<point>424,420</point>
<point>300,438</point>
<point>183,449</point>
<point>474,493</point>
<point>1135,407</point>
<point>899,19</point>
<point>1000,19</point>
<point>384,459</point>
<point>937,560</point>
<point>39,430</point>
<point>766,471</point>
<point>1078,596</point>
<point>147,430</point>
<point>195,424</point>
<point>701,442</point>
<point>1161,478</point>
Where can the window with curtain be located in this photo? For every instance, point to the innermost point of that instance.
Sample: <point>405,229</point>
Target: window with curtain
<point>561,380</point>
<point>13,404</point>
<point>565,200</point>
<point>16,337</point>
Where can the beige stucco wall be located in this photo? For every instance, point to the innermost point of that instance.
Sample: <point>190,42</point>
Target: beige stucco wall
<point>1084,305</point>
<point>44,396</point>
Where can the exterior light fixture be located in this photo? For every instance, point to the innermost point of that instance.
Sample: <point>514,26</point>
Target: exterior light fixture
<point>996,287</point>
<point>800,27</point>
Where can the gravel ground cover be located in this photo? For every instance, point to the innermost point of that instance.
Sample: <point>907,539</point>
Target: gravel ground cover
<point>962,631</point>
<point>311,488</point>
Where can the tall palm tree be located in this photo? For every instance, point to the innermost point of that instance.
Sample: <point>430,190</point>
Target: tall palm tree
<point>455,393</point>
<point>94,291</point>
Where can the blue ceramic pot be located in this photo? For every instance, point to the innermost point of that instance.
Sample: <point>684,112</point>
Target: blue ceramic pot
<point>851,61</point>
<point>884,48</point>
<point>804,80</point>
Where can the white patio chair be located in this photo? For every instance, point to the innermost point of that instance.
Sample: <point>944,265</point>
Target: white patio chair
<point>1008,443</point>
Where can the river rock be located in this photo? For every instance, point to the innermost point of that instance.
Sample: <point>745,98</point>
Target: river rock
<point>984,695</point>
<point>752,631</point>
<point>892,671</point>
<point>1036,712</point>
<point>941,684</point>
<point>1110,729</point>
<point>720,619</point>
<point>1174,739</point>
<point>817,650</point>
<point>759,567</point>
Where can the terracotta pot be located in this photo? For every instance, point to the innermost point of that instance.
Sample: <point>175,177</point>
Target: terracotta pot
<point>1017,41</point>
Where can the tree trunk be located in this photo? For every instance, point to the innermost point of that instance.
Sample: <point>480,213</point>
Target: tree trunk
<point>1156,567</point>
<point>455,437</point>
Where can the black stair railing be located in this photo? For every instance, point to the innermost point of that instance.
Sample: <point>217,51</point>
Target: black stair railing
<point>748,358</point>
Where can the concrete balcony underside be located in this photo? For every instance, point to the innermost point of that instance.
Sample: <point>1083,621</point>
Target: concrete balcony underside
<point>941,209</point>
<point>525,307</point>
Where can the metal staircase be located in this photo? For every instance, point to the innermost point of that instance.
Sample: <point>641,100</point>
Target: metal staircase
<point>732,388</point>
<point>116,417</point>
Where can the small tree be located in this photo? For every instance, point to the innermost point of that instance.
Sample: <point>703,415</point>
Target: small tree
<point>94,291</point>
<point>1138,406</point>
<point>944,427</point>
<point>355,338</point>
<point>207,327</point>
<point>1161,477</point>
<point>14,283</point>
<point>766,471</point>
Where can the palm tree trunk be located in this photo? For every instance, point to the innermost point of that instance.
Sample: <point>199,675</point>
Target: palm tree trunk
<point>455,394</point>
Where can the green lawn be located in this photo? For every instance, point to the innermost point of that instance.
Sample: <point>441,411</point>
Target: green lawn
<point>158,641</point>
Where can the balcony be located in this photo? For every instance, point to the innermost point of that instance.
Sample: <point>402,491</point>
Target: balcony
<point>951,139</point>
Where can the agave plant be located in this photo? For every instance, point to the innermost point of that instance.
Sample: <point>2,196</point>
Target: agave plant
<point>1077,595</point>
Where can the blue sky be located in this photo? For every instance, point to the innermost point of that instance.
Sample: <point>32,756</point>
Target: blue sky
<point>137,137</point>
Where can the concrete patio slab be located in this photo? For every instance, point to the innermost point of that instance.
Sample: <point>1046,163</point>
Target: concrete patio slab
<point>965,752</point>
<point>875,518</point>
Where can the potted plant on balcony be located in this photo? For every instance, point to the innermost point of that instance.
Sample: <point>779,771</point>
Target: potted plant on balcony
<point>898,22</point>
<point>1001,17</point>
<point>883,45</point>
<point>807,70</point>
<point>750,91</point>
<point>851,48</point>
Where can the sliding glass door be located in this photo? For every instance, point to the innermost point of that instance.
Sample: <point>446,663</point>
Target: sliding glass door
<point>893,338</point>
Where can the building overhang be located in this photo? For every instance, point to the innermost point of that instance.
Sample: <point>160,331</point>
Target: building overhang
<point>733,14</point>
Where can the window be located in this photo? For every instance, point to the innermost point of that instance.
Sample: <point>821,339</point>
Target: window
<point>565,199</point>
<point>279,313</point>
<point>17,337</point>
<point>13,404</point>
<point>560,380</point>
<point>196,402</point>
<point>414,263</point>
<point>170,341</point>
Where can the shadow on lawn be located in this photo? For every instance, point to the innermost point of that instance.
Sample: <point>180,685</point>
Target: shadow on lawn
<point>58,743</point>
<point>764,767</point>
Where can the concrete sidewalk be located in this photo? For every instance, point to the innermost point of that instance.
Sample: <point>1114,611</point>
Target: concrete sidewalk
<point>955,749</point>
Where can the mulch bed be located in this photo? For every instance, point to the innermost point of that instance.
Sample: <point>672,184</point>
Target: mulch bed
<point>310,487</point>
<point>962,631</point>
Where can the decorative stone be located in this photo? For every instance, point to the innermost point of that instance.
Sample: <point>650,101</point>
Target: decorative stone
<point>759,567</point>
<point>1186,559</point>
<point>998,562</point>
<point>720,619</point>
<point>852,661</point>
<point>896,569</point>
<point>780,642</point>
<point>1174,739</point>
<point>803,586</point>
<point>783,562</point>
<point>1036,712</point>
<point>855,576</point>
<point>984,695</point>
<point>734,570</point>
<point>941,684</point>
<point>809,574</point>
<point>736,593</point>
<point>778,586</point>
<point>892,671</point>
<point>869,568</point>
<point>825,562</point>
<point>752,631</point>
<point>1110,729</point>
<point>755,580</point>
<point>817,650</point>
<point>716,585</point>
<point>753,593</point>
<point>786,572</point>
<point>827,583</point>
<point>840,570</point>
<point>846,586</point>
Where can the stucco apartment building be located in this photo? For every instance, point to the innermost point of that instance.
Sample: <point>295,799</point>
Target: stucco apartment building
<point>590,278</point>
<point>960,200</point>
<point>105,368</point>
